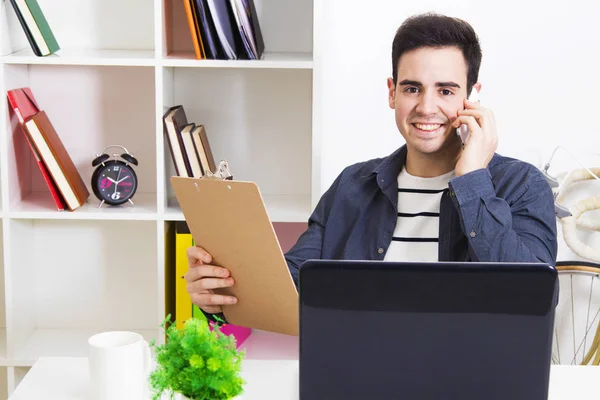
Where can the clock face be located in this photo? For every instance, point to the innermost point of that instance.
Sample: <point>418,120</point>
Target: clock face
<point>116,182</point>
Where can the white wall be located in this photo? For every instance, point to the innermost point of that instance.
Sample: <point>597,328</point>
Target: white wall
<point>540,75</point>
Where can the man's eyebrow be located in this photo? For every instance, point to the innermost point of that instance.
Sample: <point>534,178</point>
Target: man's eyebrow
<point>409,82</point>
<point>447,84</point>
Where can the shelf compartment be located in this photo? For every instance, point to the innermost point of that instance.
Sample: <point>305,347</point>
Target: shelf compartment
<point>86,25</point>
<point>89,110</point>
<point>70,279</point>
<point>253,122</point>
<point>286,26</point>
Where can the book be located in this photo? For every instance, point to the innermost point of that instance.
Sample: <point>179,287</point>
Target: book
<point>36,27</point>
<point>221,13</point>
<point>190,150</point>
<point>246,50</point>
<point>34,47</point>
<point>174,120</point>
<point>193,24</point>
<point>24,106</point>
<point>56,158</point>
<point>249,9</point>
<point>248,27</point>
<point>208,33</point>
<point>207,160</point>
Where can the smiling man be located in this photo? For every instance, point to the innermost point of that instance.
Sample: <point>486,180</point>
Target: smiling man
<point>433,199</point>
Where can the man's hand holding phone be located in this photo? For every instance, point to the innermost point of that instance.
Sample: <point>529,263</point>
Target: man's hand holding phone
<point>202,278</point>
<point>483,140</point>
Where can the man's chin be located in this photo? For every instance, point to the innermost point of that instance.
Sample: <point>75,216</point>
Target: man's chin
<point>431,146</point>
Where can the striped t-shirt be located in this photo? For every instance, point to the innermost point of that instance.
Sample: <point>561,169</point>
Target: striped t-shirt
<point>417,229</point>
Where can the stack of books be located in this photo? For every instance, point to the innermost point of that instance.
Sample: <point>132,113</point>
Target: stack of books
<point>36,27</point>
<point>224,29</point>
<point>58,170</point>
<point>188,144</point>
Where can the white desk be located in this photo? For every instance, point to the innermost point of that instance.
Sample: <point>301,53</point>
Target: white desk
<point>66,378</point>
<point>270,370</point>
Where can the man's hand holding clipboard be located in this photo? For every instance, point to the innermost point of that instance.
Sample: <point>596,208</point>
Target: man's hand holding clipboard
<point>202,278</point>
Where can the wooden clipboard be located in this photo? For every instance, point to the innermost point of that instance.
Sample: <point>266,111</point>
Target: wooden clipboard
<point>229,220</point>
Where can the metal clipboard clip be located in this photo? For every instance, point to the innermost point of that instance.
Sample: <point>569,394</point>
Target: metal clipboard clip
<point>223,172</point>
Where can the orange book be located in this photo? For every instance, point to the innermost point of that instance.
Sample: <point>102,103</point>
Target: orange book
<point>192,18</point>
<point>56,158</point>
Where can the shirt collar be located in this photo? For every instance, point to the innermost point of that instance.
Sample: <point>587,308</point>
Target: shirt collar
<point>388,168</point>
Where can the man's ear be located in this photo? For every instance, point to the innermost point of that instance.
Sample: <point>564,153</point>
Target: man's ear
<point>477,86</point>
<point>391,93</point>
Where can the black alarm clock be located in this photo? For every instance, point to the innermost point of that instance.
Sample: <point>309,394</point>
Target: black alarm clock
<point>114,180</point>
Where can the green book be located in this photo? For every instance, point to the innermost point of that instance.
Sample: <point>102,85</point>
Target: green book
<point>42,25</point>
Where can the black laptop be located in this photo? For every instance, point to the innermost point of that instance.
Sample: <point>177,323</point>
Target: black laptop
<point>424,331</point>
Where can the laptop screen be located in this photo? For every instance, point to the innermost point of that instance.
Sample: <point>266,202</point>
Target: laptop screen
<point>425,330</point>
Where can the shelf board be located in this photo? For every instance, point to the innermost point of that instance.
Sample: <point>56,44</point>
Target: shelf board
<point>270,60</point>
<point>281,208</point>
<point>84,57</point>
<point>63,343</point>
<point>39,205</point>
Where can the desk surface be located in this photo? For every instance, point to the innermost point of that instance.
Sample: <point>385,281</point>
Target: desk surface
<point>270,371</point>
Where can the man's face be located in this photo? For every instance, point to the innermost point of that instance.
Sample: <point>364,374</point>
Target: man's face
<point>431,87</point>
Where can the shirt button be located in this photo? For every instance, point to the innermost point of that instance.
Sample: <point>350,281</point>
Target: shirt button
<point>473,234</point>
<point>380,250</point>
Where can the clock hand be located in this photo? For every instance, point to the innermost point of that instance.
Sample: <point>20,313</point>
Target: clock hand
<point>122,179</point>
<point>116,185</point>
<point>111,179</point>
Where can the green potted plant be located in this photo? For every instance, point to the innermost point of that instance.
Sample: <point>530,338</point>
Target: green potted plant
<point>197,362</point>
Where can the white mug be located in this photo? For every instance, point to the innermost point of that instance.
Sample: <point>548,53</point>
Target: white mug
<point>119,364</point>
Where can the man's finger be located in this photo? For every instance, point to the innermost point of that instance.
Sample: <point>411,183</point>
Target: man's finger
<point>479,115</point>
<point>208,283</point>
<point>197,253</point>
<point>470,121</point>
<point>472,105</point>
<point>211,299</point>
<point>203,271</point>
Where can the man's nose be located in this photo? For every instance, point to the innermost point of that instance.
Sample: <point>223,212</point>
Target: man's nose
<point>427,104</point>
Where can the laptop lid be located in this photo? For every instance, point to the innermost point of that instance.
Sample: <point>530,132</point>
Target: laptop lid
<point>390,330</point>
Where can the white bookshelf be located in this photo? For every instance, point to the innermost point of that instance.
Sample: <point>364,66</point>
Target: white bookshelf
<point>67,275</point>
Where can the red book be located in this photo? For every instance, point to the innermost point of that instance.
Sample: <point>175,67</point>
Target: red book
<point>23,106</point>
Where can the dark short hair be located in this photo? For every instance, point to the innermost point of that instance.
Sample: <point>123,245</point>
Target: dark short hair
<point>435,30</point>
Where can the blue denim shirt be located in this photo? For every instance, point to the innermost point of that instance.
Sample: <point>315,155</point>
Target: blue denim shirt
<point>502,213</point>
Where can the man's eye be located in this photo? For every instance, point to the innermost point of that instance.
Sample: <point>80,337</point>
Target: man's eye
<point>411,90</point>
<point>446,92</point>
